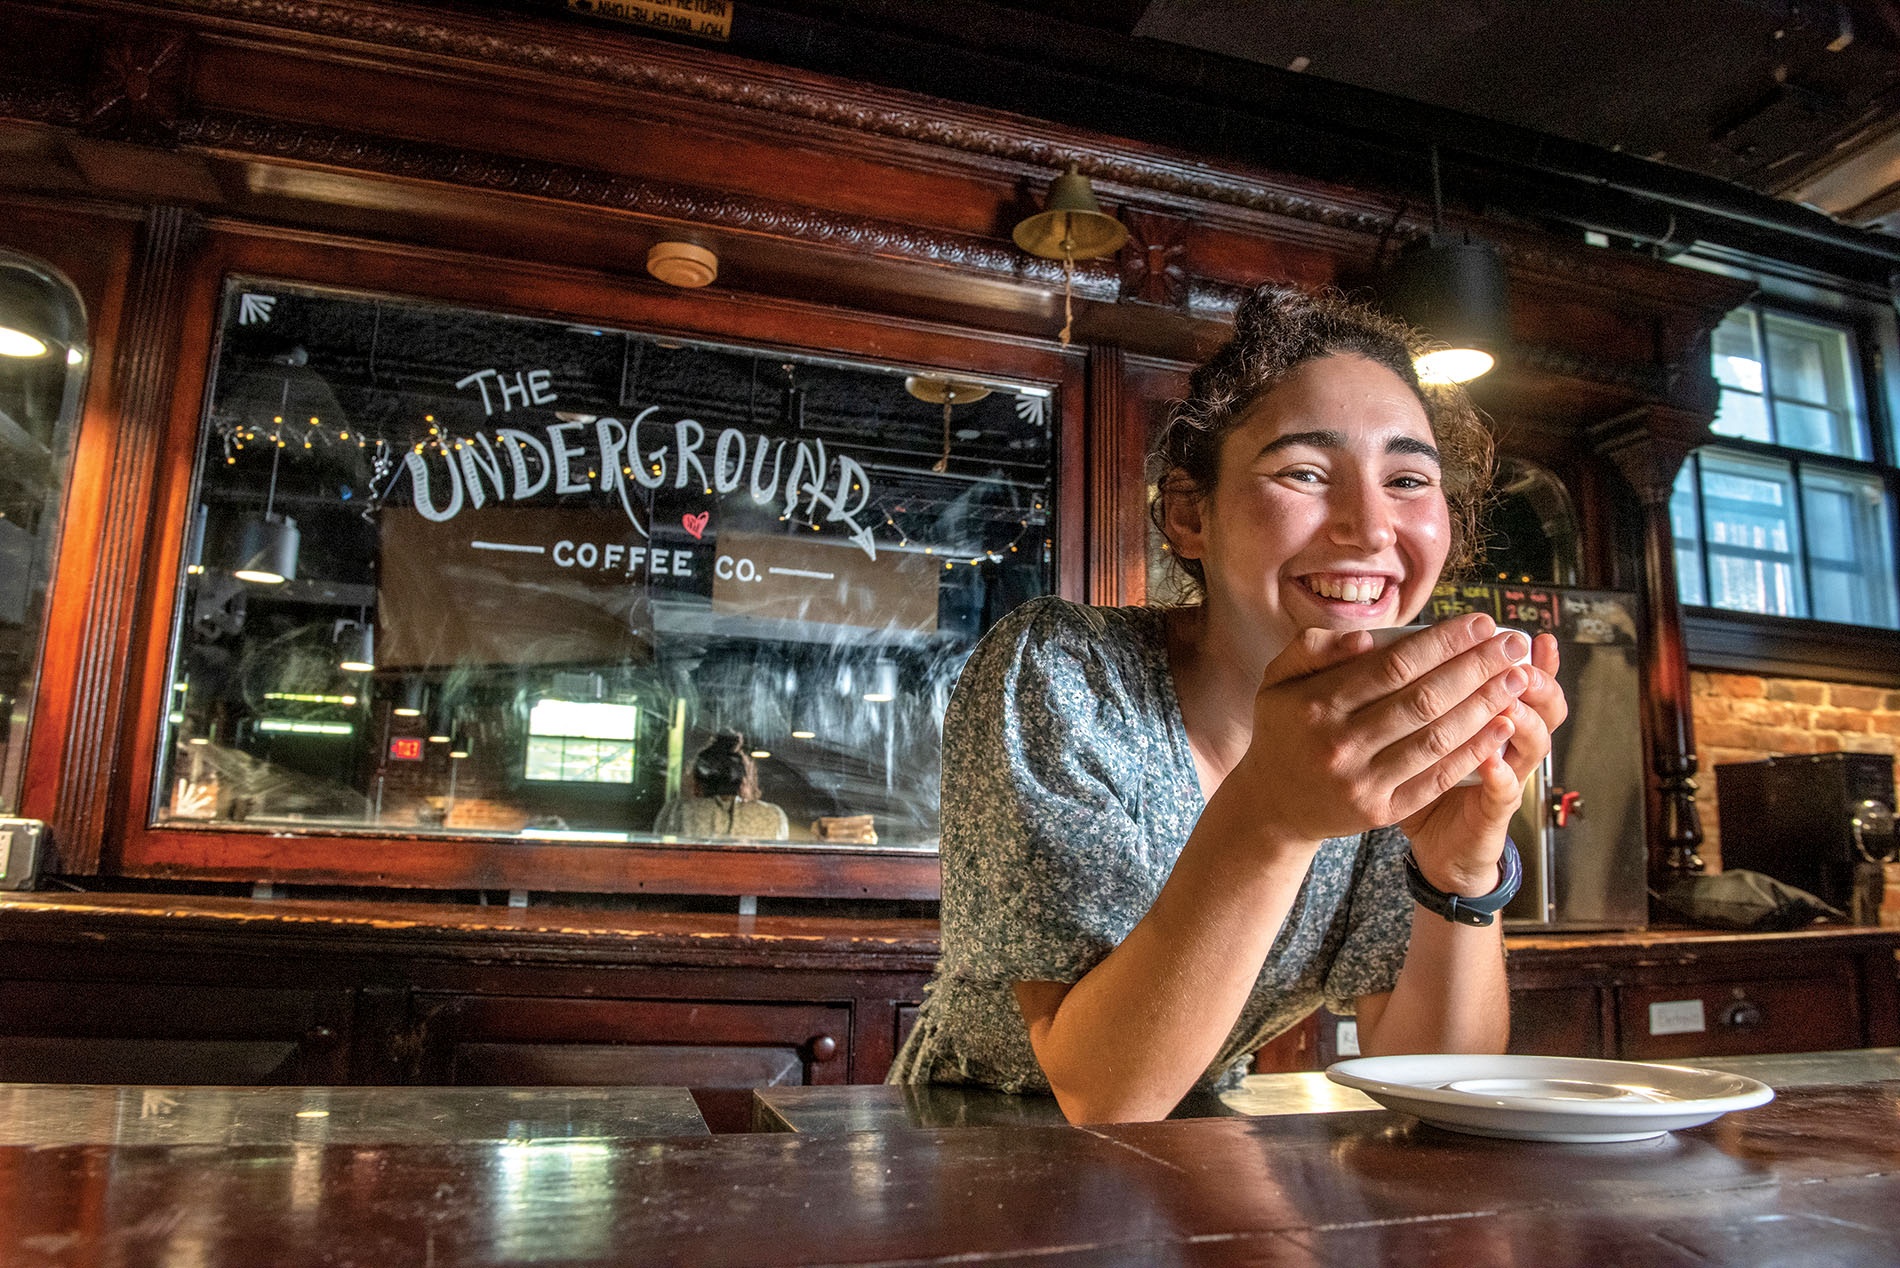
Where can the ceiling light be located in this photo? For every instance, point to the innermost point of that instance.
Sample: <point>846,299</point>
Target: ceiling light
<point>356,643</point>
<point>804,735</point>
<point>34,313</point>
<point>1453,291</point>
<point>883,682</point>
<point>267,550</point>
<point>415,698</point>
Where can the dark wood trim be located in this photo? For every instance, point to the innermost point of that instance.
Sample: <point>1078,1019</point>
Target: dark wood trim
<point>1749,643</point>
<point>135,849</point>
<point>1108,464</point>
<point>457,862</point>
<point>143,371</point>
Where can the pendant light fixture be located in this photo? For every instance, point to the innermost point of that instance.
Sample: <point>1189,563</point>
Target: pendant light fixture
<point>267,544</point>
<point>1454,290</point>
<point>949,393</point>
<point>1071,227</point>
<point>356,646</point>
<point>460,745</point>
<point>414,699</point>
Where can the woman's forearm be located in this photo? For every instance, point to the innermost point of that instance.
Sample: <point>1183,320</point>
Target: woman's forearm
<point>1451,995</point>
<point>1131,1037</point>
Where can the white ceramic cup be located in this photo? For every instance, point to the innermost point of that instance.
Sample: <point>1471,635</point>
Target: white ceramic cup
<point>1391,634</point>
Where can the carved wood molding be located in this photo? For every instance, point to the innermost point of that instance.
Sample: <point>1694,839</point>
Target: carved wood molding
<point>1155,261</point>
<point>774,96</point>
<point>144,369</point>
<point>415,160</point>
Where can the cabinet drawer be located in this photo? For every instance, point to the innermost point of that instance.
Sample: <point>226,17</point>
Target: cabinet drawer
<point>1564,1021</point>
<point>144,1032</point>
<point>517,1040</point>
<point>1730,1018</point>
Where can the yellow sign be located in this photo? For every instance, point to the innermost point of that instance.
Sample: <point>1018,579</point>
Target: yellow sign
<point>711,19</point>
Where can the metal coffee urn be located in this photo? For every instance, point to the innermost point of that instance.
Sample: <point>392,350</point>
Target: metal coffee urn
<point>1580,829</point>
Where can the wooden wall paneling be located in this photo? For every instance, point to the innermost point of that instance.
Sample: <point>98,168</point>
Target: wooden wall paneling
<point>487,863</point>
<point>1150,386</point>
<point>93,680</point>
<point>1108,466</point>
<point>93,246</point>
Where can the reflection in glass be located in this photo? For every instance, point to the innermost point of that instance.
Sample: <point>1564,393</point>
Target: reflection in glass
<point>42,374</point>
<point>1850,547</point>
<point>1532,529</point>
<point>1752,538</point>
<point>574,556</point>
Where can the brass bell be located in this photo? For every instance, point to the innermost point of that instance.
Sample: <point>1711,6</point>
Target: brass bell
<point>1073,225</point>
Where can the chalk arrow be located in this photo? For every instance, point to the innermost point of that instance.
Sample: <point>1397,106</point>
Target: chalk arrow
<point>254,310</point>
<point>866,542</point>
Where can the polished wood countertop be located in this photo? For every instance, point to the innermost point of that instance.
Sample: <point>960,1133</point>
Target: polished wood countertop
<point>574,932</point>
<point>1812,1177</point>
<point>903,942</point>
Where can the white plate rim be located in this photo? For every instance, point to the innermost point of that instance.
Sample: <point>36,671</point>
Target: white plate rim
<point>1364,1073</point>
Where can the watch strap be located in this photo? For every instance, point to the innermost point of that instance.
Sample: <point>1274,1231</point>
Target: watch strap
<point>1459,909</point>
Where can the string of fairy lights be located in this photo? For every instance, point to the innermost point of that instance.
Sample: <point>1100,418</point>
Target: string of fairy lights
<point>293,437</point>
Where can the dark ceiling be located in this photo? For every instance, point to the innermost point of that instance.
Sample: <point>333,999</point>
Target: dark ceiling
<point>1795,98</point>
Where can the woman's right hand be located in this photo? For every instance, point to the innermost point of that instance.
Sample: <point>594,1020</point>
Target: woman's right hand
<point>1346,739</point>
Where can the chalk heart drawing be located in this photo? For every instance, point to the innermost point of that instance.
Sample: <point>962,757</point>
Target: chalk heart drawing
<point>695,524</point>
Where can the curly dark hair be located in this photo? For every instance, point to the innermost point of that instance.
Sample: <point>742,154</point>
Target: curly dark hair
<point>1277,329</point>
<point>723,768</point>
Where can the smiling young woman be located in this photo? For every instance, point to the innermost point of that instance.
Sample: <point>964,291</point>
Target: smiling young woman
<point>1168,834</point>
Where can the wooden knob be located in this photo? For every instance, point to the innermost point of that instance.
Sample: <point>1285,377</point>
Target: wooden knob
<point>823,1048</point>
<point>1742,1015</point>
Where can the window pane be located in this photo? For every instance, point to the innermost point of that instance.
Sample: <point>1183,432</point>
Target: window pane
<point>1741,415</point>
<point>1850,547</point>
<point>1688,535</point>
<point>1737,352</point>
<point>544,758</point>
<point>589,718</point>
<point>40,397</point>
<point>1811,373</point>
<point>583,553</point>
<point>1753,540</point>
<point>1808,427</point>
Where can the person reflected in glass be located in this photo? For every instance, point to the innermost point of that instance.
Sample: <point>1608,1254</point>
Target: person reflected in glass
<point>723,797</point>
<point>1168,834</point>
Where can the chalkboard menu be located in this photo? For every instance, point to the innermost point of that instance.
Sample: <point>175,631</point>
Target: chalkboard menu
<point>468,572</point>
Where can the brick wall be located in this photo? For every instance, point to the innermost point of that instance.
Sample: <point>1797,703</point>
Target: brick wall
<point>1744,718</point>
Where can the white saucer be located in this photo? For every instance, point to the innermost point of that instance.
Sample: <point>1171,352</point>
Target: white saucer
<point>1569,1099</point>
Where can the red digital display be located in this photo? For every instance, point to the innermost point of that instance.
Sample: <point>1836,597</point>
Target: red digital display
<point>405,748</point>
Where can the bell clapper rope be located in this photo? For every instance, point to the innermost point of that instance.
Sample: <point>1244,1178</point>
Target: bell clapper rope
<point>949,401</point>
<point>1068,286</point>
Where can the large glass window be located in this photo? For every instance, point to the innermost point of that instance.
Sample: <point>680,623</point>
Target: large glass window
<point>1791,516</point>
<point>42,371</point>
<point>466,572</point>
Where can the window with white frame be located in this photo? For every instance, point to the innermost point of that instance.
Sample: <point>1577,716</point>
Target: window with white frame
<point>1791,512</point>
<point>581,741</point>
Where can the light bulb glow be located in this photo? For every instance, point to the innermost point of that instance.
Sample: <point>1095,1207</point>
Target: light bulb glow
<point>17,343</point>
<point>1453,365</point>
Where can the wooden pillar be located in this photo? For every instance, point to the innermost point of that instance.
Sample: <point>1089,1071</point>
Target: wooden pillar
<point>1648,447</point>
<point>1108,459</point>
<point>143,371</point>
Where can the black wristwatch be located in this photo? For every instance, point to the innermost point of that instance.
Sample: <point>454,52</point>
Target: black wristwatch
<point>1456,907</point>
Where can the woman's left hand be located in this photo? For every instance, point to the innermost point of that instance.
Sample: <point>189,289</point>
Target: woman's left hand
<point>1458,838</point>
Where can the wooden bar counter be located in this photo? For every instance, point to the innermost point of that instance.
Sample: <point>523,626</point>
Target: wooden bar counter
<point>1812,1177</point>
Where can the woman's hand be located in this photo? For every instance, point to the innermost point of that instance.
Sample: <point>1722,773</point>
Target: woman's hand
<point>1458,838</point>
<point>1347,739</point>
